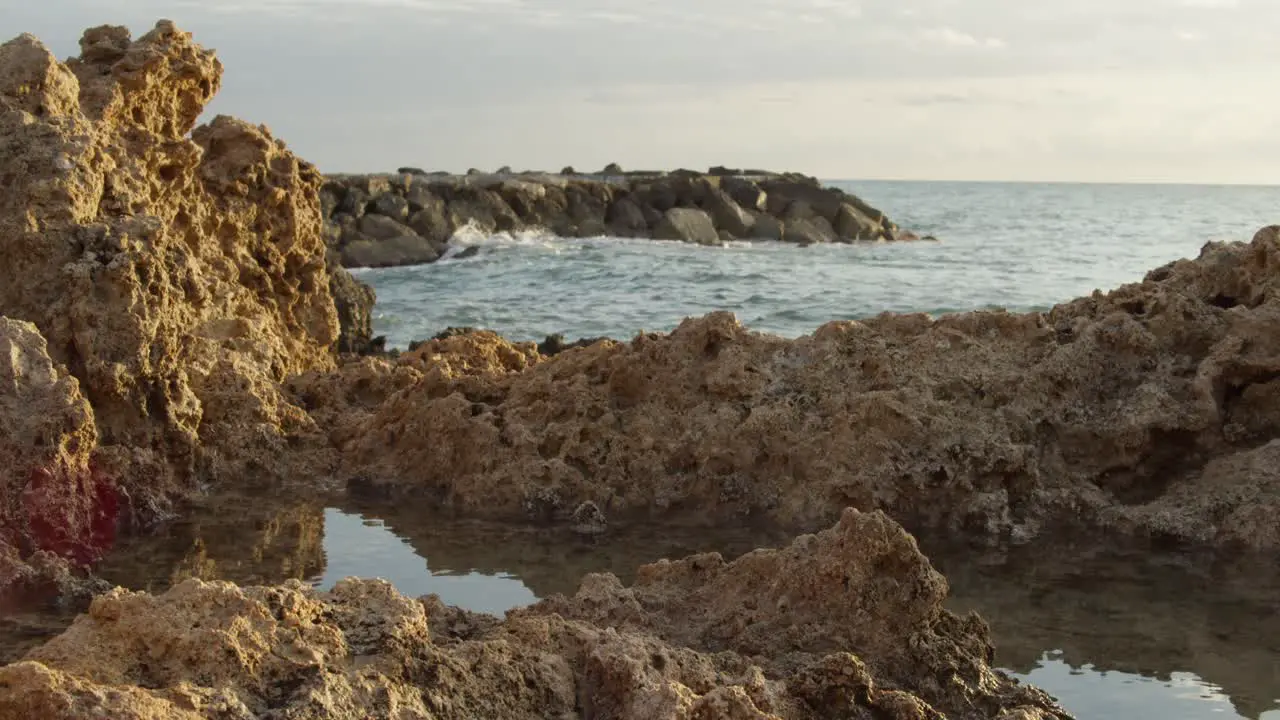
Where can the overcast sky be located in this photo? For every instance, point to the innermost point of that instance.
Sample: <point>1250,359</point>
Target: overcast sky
<point>1087,90</point>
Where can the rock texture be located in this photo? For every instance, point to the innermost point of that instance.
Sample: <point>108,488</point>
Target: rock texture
<point>409,218</point>
<point>173,276</point>
<point>1149,409</point>
<point>846,623</point>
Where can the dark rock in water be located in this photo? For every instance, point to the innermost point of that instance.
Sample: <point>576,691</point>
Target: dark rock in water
<point>689,225</point>
<point>626,219</point>
<point>727,215</point>
<point>555,344</point>
<point>809,231</point>
<point>411,171</point>
<point>354,301</point>
<point>466,252</point>
<point>407,249</point>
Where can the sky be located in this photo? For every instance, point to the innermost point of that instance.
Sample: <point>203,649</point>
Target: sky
<point>1083,91</point>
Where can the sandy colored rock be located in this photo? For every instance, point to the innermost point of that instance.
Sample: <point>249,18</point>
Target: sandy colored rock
<point>52,497</point>
<point>177,272</point>
<point>846,623</point>
<point>1123,409</point>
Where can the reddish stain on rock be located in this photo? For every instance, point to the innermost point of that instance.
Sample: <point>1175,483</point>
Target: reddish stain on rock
<point>71,513</point>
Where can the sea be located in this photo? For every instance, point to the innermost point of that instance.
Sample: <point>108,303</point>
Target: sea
<point>1132,637</point>
<point>1000,245</point>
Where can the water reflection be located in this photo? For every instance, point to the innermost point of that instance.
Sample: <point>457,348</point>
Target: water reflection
<point>1111,632</point>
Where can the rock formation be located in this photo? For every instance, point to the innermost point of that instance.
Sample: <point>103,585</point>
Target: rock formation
<point>846,623</point>
<point>172,276</point>
<point>408,218</point>
<point>1150,409</point>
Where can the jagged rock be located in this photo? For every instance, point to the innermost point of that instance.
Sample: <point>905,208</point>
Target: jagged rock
<point>687,224</point>
<point>1143,410</point>
<point>53,498</point>
<point>177,272</point>
<point>846,623</point>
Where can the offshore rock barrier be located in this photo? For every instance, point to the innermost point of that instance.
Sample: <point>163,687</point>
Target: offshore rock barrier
<point>409,218</point>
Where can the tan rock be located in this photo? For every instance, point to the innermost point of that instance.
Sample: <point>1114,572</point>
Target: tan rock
<point>177,272</point>
<point>846,623</point>
<point>1107,409</point>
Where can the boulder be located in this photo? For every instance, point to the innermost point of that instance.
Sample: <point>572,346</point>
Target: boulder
<point>809,231</point>
<point>391,205</point>
<point>746,193</point>
<point>727,214</point>
<point>852,224</point>
<point>625,219</point>
<point>432,224</point>
<point>392,252</point>
<point>411,171</point>
<point>381,227</point>
<point>766,227</point>
<point>568,170</point>
<point>354,202</point>
<point>612,169</point>
<point>420,197</point>
<point>688,225</point>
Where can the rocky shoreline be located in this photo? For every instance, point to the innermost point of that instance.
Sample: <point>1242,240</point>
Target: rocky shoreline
<point>409,217</point>
<point>174,323</point>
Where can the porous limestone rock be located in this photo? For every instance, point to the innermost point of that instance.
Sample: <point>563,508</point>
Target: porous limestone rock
<point>1145,409</point>
<point>177,272</point>
<point>846,623</point>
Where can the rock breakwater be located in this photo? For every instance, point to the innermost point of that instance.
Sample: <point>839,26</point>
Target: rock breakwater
<point>409,218</point>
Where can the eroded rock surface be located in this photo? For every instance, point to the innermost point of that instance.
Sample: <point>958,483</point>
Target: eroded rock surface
<point>1145,409</point>
<point>176,272</point>
<point>846,623</point>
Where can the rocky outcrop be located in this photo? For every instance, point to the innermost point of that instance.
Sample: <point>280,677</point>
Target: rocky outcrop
<point>409,218</point>
<point>1145,409</point>
<point>846,623</point>
<point>171,275</point>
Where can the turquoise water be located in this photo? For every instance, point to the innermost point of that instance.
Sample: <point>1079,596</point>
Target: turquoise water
<point>1019,246</point>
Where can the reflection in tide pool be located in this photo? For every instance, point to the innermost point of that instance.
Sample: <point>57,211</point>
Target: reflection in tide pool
<point>359,547</point>
<point>1092,693</point>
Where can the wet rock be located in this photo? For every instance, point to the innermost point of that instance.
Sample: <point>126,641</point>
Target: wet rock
<point>845,623</point>
<point>408,249</point>
<point>688,225</point>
